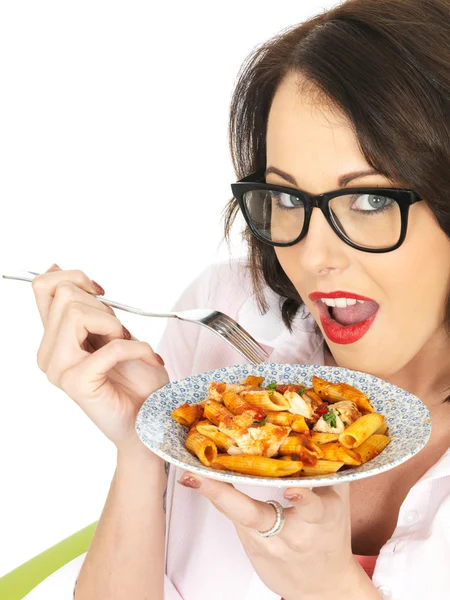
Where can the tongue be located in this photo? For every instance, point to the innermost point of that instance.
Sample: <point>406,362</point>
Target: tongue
<point>354,314</point>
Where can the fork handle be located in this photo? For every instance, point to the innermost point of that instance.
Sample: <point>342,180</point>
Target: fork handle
<point>30,275</point>
<point>131,309</point>
<point>21,275</point>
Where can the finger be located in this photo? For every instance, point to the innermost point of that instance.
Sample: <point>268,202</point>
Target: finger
<point>308,505</point>
<point>343,490</point>
<point>66,293</point>
<point>78,321</point>
<point>54,267</point>
<point>337,498</point>
<point>44,287</point>
<point>92,371</point>
<point>236,506</point>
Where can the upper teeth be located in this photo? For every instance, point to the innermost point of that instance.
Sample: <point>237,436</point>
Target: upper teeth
<point>341,302</point>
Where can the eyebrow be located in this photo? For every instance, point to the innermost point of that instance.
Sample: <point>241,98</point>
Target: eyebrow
<point>343,180</point>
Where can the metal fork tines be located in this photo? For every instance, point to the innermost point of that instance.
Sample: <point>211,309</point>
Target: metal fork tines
<point>229,330</point>
<point>220,323</point>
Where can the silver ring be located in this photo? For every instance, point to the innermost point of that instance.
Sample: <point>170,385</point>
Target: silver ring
<point>278,525</point>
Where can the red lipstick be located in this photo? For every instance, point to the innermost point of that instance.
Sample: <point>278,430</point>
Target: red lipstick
<point>318,295</point>
<point>336,332</point>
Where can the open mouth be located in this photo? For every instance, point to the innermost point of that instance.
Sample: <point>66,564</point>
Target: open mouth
<point>349,311</point>
<point>345,317</point>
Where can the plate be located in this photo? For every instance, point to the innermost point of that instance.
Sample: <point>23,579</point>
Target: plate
<point>407,417</point>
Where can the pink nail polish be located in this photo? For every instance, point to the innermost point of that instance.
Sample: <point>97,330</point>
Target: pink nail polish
<point>126,333</point>
<point>292,497</point>
<point>189,481</point>
<point>159,359</point>
<point>98,288</point>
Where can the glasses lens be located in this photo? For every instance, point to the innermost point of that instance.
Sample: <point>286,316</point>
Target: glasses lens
<point>277,216</point>
<point>369,220</point>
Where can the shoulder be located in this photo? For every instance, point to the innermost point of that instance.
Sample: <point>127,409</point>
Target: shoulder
<point>225,283</point>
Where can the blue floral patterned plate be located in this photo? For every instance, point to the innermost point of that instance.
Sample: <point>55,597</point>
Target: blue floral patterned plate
<point>407,417</point>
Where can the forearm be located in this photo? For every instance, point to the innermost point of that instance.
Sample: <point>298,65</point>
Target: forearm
<point>126,556</point>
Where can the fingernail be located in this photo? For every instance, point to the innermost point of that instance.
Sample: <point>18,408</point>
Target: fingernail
<point>189,481</point>
<point>97,288</point>
<point>159,359</point>
<point>126,333</point>
<point>292,497</point>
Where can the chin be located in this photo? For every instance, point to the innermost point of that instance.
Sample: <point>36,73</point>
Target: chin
<point>369,356</point>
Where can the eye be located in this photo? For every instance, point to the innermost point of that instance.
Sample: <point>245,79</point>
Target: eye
<point>286,201</point>
<point>370,202</point>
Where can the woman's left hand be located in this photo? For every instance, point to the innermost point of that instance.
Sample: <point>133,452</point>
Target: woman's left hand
<point>311,557</point>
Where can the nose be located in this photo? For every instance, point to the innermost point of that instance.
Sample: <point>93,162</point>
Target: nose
<point>321,251</point>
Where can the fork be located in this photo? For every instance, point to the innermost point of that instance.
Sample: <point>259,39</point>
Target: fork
<point>218,322</point>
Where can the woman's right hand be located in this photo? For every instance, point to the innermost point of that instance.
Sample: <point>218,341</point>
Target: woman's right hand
<point>87,353</point>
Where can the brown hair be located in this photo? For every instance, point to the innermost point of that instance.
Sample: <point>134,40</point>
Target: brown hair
<point>385,64</point>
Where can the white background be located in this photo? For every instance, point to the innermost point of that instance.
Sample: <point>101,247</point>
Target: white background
<point>114,159</point>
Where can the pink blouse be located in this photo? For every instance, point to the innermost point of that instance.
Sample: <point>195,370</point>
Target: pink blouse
<point>204,556</point>
<point>197,534</point>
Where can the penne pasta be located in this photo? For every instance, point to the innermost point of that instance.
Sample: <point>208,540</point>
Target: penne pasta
<point>300,425</point>
<point>269,400</point>
<point>234,402</point>
<point>314,396</point>
<point>382,430</point>
<point>335,392</point>
<point>313,446</point>
<point>292,446</point>
<point>323,438</point>
<point>222,441</point>
<point>354,435</point>
<point>322,467</point>
<point>204,448</point>
<point>216,412</point>
<point>335,451</point>
<point>372,447</point>
<point>187,414</point>
<point>284,429</point>
<point>288,457</point>
<point>259,465</point>
<point>253,381</point>
<point>295,443</point>
<point>280,418</point>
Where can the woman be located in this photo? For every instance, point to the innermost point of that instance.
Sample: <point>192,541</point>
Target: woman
<point>357,98</point>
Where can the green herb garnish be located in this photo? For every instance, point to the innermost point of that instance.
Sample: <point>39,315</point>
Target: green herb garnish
<point>271,386</point>
<point>330,418</point>
<point>301,390</point>
<point>263,422</point>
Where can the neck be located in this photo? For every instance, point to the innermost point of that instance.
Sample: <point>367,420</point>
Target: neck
<point>427,375</point>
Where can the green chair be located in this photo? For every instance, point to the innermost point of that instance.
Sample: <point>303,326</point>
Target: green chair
<point>18,583</point>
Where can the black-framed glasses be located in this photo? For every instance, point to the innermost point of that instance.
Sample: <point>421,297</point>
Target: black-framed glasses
<point>372,219</point>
